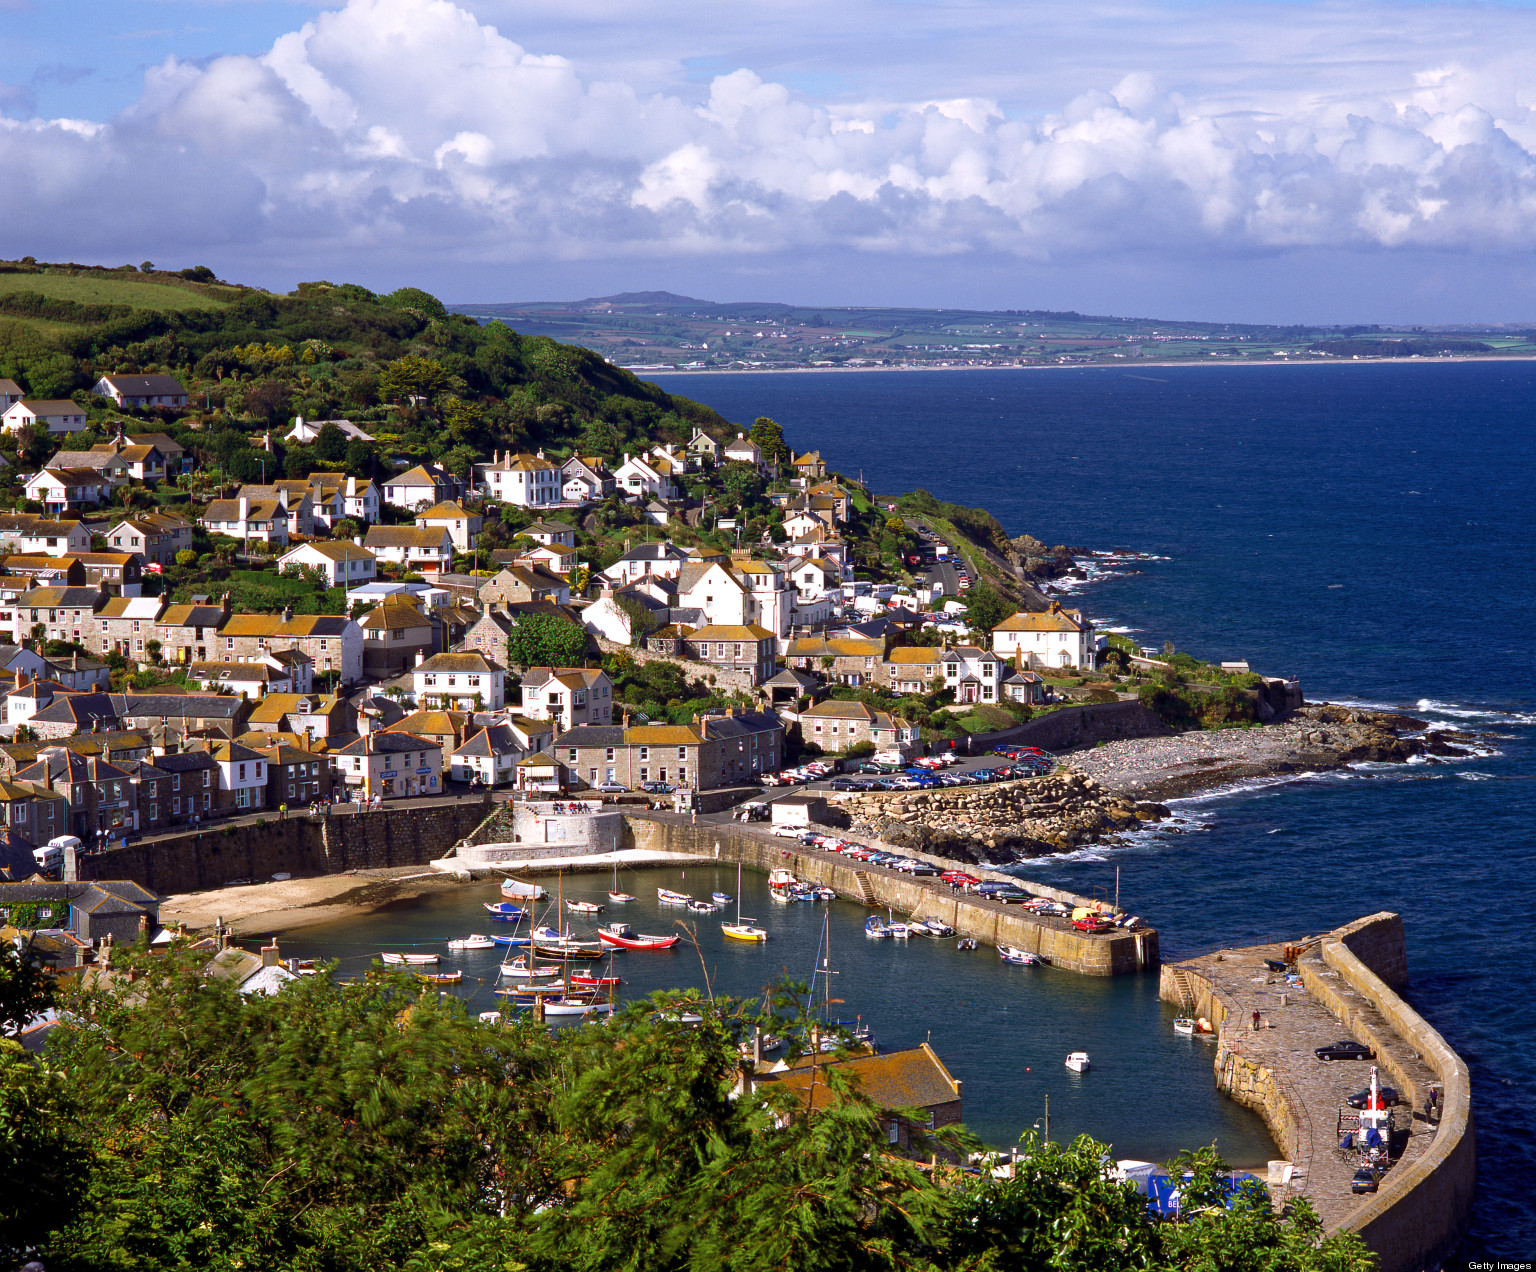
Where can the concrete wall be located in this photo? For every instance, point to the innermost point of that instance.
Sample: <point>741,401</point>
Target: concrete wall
<point>1422,1208</point>
<point>299,845</point>
<point>1102,955</point>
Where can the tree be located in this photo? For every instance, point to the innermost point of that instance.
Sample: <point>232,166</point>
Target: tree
<point>330,444</point>
<point>153,648</point>
<point>269,401</point>
<point>42,1167</point>
<point>186,558</point>
<point>769,437</point>
<point>542,640</point>
<point>985,608</point>
<point>412,376</point>
<point>25,990</point>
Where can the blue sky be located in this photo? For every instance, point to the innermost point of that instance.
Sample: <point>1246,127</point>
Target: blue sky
<point>1347,161</point>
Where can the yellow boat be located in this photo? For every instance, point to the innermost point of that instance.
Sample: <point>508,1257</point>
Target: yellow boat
<point>743,931</point>
<point>441,978</point>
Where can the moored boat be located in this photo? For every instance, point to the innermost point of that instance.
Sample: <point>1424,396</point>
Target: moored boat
<point>1184,1025</point>
<point>721,898</point>
<point>966,943</point>
<point>521,969</point>
<point>588,981</point>
<point>410,960</point>
<point>568,951</point>
<point>508,940</point>
<point>440,978</point>
<point>625,937</point>
<point>474,941</point>
<point>576,1007</point>
<point>875,927</point>
<point>505,909</point>
<point>1078,1062</point>
<point>743,930</point>
<point>583,907</point>
<point>620,898</point>
<point>938,928</point>
<point>826,894</point>
<point>514,889</point>
<point>703,907</point>
<point>667,897</point>
<point>1012,954</point>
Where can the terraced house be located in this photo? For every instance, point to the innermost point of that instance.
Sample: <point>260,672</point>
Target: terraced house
<point>154,536</point>
<point>568,695</point>
<point>333,642</point>
<point>462,682</point>
<point>425,548</point>
<point>835,726</point>
<point>65,613</point>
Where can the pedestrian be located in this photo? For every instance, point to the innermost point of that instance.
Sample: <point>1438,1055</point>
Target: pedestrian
<point>283,810</point>
<point>1255,1020</point>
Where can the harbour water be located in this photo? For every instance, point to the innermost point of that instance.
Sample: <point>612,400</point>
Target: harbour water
<point>1004,1031</point>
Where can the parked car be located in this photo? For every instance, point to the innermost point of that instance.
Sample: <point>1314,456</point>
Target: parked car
<point>786,832</point>
<point>1092,924</point>
<point>991,886</point>
<point>1365,1180</point>
<point>845,784</point>
<point>1345,1050</point>
<point>1389,1097</point>
<point>611,788</point>
<point>657,788</point>
<point>1010,896</point>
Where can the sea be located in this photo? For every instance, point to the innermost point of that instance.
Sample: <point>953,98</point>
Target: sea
<point>1366,528</point>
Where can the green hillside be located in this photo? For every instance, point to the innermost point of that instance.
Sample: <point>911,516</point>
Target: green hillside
<point>426,383</point>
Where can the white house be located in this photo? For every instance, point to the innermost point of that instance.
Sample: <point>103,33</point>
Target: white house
<point>1055,637</point>
<point>336,495</point>
<point>390,765</point>
<point>55,538</point>
<point>973,674</point>
<point>419,487</point>
<point>142,390</point>
<point>744,450</point>
<point>814,577</point>
<point>293,495</point>
<point>571,695</point>
<point>343,564</point>
<point>246,519</point>
<point>665,560</point>
<point>636,476</point>
<point>56,415</point>
<point>526,481</point>
<point>489,757</point>
<point>420,548</point>
<point>463,527</point>
<point>10,394</point>
<point>462,682</point>
<point>551,532</point>
<point>68,489</point>
<point>306,432</point>
<point>605,617</point>
<point>156,537</point>
<point>243,772</point>
<point>556,558</point>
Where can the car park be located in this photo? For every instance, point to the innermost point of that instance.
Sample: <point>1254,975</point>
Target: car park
<point>1345,1050</point>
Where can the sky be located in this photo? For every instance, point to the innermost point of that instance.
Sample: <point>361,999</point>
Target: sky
<point>1319,161</point>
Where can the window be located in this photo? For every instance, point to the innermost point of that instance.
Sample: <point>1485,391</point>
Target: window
<point>207,801</point>
<point>645,775</point>
<point>207,781</point>
<point>175,781</point>
<point>290,790</point>
<point>645,752</point>
<point>682,775</point>
<point>176,806</point>
<point>609,755</point>
<point>573,755</point>
<point>682,752</point>
<point>242,772</point>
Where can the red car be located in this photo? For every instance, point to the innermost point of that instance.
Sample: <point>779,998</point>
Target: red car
<point>1092,925</point>
<point>958,879</point>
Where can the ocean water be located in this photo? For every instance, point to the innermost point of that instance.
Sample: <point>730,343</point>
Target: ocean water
<point>1366,528</point>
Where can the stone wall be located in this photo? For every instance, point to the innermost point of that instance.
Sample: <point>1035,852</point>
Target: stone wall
<point>1418,1216</point>
<point>1379,943</point>
<point>299,845</point>
<point>1070,727</point>
<point>721,678</point>
<point>1109,954</point>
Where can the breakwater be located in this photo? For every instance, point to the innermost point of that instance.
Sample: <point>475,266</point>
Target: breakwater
<point>1348,979</point>
<point>1113,953</point>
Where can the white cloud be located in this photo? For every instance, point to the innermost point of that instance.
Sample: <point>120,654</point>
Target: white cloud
<point>395,125</point>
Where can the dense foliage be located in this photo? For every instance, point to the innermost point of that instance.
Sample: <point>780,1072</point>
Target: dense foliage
<point>177,1125</point>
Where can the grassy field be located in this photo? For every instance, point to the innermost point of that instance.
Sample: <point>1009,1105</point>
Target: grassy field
<point>97,290</point>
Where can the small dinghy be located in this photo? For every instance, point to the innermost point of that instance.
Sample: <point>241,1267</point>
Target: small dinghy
<point>505,909</point>
<point>703,907</point>
<point>626,938</point>
<point>508,940</point>
<point>667,897</point>
<point>1078,1062</point>
<point>1012,954</point>
<point>518,969</point>
<point>826,894</point>
<point>620,898</point>
<point>966,943</point>
<point>936,928</point>
<point>410,960</point>
<point>440,978</point>
<point>583,907</point>
<point>721,898</point>
<point>474,941</point>
<point>1184,1025</point>
<point>512,889</point>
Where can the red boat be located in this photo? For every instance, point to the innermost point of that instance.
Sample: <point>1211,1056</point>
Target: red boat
<point>588,980</point>
<point>626,938</point>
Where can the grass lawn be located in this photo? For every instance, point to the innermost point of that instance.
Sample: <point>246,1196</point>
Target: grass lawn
<point>97,290</point>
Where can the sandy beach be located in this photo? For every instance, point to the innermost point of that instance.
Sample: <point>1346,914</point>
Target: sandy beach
<point>292,903</point>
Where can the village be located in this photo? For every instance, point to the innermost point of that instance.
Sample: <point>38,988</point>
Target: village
<point>618,641</point>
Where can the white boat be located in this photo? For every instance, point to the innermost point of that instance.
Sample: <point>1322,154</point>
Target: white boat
<point>876,928</point>
<point>667,897</point>
<point>703,907</point>
<point>515,889</point>
<point>490,1018</point>
<point>583,907</point>
<point>576,1007</point>
<point>1078,1062</point>
<point>826,894</point>
<point>901,931</point>
<point>620,898</point>
<point>1184,1025</point>
<point>474,941</point>
<point>1012,954</point>
<point>519,969</point>
<point>409,960</point>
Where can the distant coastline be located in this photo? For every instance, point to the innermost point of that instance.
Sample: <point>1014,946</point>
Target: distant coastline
<point>1096,366</point>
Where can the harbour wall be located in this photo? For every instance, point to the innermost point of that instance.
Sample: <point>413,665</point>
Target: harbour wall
<point>1417,1216</point>
<point>1089,954</point>
<point>215,855</point>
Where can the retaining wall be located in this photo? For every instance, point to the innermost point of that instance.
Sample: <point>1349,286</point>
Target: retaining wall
<point>1108,954</point>
<point>1069,727</point>
<point>300,845</point>
<point>719,677</point>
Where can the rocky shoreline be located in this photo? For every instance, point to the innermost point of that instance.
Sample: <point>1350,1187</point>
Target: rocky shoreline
<point>1119,786</point>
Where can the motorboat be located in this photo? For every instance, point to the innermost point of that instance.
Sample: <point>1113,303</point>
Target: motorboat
<point>1184,1025</point>
<point>703,907</point>
<point>826,894</point>
<point>508,940</point>
<point>937,928</point>
<point>779,877</point>
<point>667,897</point>
<point>1012,954</point>
<point>440,978</point>
<point>583,907</point>
<point>802,893</point>
<point>519,969</point>
<point>966,943</point>
<point>576,1007</point>
<point>505,910</point>
<point>876,928</point>
<point>900,931</point>
<point>626,938</point>
<point>516,889</point>
<point>1078,1061</point>
<point>721,898</point>
<point>588,981</point>
<point>410,960</point>
<point>475,941</point>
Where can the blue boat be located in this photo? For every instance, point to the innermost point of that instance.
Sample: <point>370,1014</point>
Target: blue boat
<point>874,926</point>
<point>510,940</point>
<point>722,898</point>
<point>505,910</point>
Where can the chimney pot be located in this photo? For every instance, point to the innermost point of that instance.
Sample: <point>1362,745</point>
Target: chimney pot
<point>270,956</point>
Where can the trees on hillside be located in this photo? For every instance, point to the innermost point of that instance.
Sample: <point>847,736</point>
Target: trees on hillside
<point>543,640</point>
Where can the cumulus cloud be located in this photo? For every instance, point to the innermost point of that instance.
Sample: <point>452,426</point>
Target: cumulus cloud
<point>389,125</point>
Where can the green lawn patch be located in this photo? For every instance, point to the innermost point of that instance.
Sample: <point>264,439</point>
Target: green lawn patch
<point>99,290</point>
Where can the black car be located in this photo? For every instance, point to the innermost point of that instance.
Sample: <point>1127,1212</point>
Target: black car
<point>1010,896</point>
<point>657,788</point>
<point>1365,1180</point>
<point>1389,1097</point>
<point>1345,1050</point>
<point>845,784</point>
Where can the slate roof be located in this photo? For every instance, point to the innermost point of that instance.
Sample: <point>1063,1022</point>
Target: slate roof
<point>388,743</point>
<point>593,735</point>
<point>146,385</point>
<point>456,663</point>
<point>1054,619</point>
<point>491,741</point>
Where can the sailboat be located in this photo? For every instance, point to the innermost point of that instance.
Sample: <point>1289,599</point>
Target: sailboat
<point>742,929</point>
<point>614,895</point>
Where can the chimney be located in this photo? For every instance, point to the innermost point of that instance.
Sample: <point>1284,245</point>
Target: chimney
<point>420,657</point>
<point>282,498</point>
<point>351,487</point>
<point>357,539</point>
<point>269,956</point>
<point>287,613</point>
<point>245,508</point>
<point>704,728</point>
<point>226,605</point>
